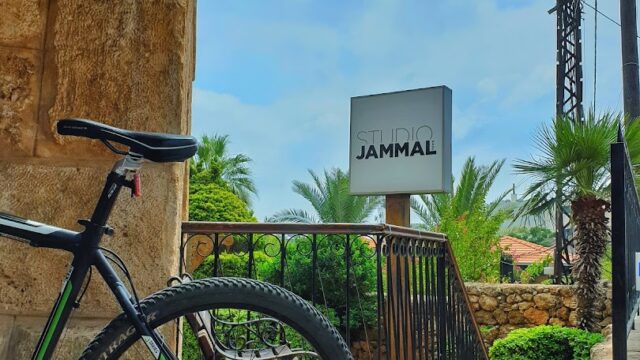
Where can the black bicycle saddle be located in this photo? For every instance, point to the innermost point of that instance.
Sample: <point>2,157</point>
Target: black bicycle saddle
<point>157,147</point>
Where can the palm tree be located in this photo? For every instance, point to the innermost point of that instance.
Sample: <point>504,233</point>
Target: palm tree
<point>213,160</point>
<point>329,196</point>
<point>470,223</point>
<point>576,155</point>
<point>469,195</point>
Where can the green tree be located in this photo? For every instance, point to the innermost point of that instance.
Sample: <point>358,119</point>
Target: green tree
<point>469,195</point>
<point>576,155</point>
<point>330,198</point>
<point>537,234</point>
<point>470,222</point>
<point>214,164</point>
<point>213,202</point>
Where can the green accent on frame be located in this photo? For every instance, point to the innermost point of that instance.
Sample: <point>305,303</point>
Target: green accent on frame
<point>54,321</point>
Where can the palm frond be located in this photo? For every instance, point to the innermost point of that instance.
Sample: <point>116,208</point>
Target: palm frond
<point>294,216</point>
<point>330,198</point>
<point>213,156</point>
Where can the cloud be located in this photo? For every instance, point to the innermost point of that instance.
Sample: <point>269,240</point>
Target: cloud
<point>283,139</point>
<point>278,78</point>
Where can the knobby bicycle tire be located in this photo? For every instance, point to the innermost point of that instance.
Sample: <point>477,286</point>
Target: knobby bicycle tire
<point>198,295</point>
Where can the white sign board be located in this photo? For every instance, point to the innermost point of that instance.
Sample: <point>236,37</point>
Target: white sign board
<point>400,142</point>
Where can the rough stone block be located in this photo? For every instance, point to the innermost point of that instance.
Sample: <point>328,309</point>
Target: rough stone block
<point>485,318</point>
<point>556,321</point>
<point>544,301</point>
<point>573,318</point>
<point>146,232</point>
<point>570,302</point>
<point>22,23</point>
<point>501,317</point>
<point>603,350</point>
<point>513,298</point>
<point>26,333</point>
<point>488,303</point>
<point>92,50</point>
<point>6,326</point>
<point>563,313</point>
<point>535,316</point>
<point>19,94</point>
<point>516,317</point>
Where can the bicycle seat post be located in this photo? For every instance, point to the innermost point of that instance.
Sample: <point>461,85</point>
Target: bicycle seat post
<point>118,177</point>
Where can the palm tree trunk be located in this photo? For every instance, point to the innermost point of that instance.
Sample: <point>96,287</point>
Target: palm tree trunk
<point>590,239</point>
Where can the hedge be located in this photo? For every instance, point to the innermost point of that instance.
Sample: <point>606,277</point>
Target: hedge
<point>545,343</point>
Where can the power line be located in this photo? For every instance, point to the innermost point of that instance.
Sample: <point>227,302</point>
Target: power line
<point>595,53</point>
<point>601,13</point>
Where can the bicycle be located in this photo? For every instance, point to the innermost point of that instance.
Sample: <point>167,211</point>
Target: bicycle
<point>197,301</point>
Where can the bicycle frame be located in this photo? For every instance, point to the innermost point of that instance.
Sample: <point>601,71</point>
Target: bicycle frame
<point>86,253</point>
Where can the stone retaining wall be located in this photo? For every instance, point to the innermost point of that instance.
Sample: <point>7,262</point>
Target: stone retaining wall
<point>501,308</point>
<point>363,350</point>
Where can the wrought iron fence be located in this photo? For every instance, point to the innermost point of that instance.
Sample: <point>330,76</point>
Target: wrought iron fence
<point>396,289</point>
<point>625,243</point>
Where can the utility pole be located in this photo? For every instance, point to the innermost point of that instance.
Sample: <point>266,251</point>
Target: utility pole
<point>629,34</point>
<point>569,95</point>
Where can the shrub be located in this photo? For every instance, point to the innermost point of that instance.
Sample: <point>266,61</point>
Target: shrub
<point>529,275</point>
<point>212,202</point>
<point>331,278</point>
<point>543,343</point>
<point>233,265</point>
<point>474,241</point>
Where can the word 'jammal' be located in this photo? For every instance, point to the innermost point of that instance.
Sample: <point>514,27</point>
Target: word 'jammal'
<point>395,150</point>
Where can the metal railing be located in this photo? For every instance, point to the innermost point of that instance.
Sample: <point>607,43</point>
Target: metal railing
<point>625,243</point>
<point>421,308</point>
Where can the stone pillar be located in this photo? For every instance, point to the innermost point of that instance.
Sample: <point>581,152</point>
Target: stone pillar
<point>125,63</point>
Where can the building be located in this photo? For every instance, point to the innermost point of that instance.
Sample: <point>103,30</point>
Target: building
<point>522,252</point>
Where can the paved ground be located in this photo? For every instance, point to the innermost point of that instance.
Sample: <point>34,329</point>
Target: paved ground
<point>633,343</point>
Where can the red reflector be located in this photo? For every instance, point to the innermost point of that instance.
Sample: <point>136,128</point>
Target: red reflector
<point>137,191</point>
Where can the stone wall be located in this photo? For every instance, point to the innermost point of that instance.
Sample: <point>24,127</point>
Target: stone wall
<point>126,63</point>
<point>501,308</point>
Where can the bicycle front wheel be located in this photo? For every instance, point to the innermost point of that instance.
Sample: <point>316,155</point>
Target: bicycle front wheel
<point>244,319</point>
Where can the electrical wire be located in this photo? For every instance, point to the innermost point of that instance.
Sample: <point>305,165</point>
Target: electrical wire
<point>595,53</point>
<point>603,14</point>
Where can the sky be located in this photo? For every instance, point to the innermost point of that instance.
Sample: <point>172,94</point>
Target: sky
<point>277,77</point>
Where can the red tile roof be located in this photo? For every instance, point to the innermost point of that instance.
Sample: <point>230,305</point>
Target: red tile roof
<point>524,252</point>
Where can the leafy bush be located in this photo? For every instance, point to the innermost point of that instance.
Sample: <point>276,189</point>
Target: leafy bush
<point>233,265</point>
<point>535,269</point>
<point>331,278</point>
<point>190,346</point>
<point>213,202</point>
<point>474,240</point>
<point>545,343</point>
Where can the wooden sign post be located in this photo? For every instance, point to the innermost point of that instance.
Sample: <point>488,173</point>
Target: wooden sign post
<point>398,212</point>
